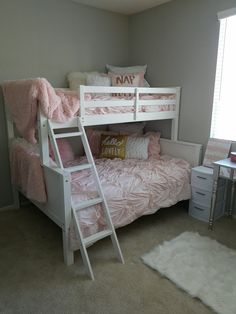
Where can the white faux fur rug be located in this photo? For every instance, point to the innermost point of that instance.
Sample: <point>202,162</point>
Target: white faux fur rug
<point>201,266</point>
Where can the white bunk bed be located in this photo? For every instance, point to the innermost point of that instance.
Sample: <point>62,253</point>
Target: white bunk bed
<point>57,179</point>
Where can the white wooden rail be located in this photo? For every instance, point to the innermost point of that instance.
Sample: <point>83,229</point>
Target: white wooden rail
<point>136,104</point>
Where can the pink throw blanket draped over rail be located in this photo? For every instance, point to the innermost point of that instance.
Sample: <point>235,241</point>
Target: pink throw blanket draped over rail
<point>23,97</point>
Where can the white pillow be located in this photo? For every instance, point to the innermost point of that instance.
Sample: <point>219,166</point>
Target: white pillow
<point>128,128</point>
<point>124,70</point>
<point>78,78</point>
<point>137,147</point>
<point>98,79</point>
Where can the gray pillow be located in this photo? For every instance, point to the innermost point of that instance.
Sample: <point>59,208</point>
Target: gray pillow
<point>123,70</point>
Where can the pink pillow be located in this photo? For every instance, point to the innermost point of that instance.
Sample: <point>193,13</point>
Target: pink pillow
<point>94,139</point>
<point>65,150</point>
<point>154,147</point>
<point>127,79</point>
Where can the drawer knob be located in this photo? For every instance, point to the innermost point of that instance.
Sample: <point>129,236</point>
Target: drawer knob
<point>201,177</point>
<point>203,194</point>
<point>198,208</point>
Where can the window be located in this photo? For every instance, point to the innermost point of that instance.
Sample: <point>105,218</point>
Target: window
<point>223,124</point>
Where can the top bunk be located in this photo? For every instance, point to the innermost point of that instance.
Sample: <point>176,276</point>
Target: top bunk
<point>127,104</point>
<point>95,105</point>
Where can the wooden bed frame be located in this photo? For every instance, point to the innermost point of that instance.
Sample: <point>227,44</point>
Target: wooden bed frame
<point>58,206</point>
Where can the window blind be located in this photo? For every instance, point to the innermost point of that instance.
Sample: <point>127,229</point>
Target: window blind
<point>223,124</point>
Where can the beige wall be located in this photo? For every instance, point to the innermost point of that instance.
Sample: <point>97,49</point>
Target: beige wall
<point>49,38</point>
<point>178,41</point>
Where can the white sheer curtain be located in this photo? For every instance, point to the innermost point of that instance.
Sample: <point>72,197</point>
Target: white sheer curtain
<point>223,123</point>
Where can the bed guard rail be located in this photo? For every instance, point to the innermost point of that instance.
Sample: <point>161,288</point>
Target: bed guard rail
<point>134,103</point>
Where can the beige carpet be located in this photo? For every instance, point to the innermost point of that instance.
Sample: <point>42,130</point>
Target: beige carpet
<point>209,271</point>
<point>33,278</point>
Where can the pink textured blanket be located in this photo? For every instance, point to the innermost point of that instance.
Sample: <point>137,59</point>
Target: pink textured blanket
<point>26,171</point>
<point>23,96</point>
<point>132,187</point>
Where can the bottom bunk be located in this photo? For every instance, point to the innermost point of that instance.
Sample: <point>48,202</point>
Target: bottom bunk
<point>132,187</point>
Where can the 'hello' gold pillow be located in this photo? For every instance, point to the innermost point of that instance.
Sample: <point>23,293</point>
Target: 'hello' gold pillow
<point>113,146</point>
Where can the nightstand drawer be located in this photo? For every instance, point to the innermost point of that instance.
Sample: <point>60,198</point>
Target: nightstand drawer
<point>202,212</point>
<point>202,178</point>
<point>203,197</point>
<point>200,196</point>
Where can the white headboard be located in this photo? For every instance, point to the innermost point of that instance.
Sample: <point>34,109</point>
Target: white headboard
<point>190,152</point>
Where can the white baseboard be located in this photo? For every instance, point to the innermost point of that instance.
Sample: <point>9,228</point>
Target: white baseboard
<point>9,207</point>
<point>13,206</point>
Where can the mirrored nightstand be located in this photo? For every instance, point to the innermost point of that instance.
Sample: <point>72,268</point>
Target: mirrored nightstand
<point>228,164</point>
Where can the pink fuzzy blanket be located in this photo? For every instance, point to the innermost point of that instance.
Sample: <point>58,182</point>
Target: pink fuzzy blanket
<point>24,96</point>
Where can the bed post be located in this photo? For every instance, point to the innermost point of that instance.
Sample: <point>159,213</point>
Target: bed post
<point>43,138</point>
<point>67,252</point>
<point>65,182</point>
<point>82,99</point>
<point>136,109</point>
<point>175,121</point>
<point>11,136</point>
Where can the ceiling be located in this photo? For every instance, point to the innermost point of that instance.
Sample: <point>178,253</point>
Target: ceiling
<point>123,6</point>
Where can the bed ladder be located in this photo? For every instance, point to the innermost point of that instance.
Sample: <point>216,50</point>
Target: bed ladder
<point>110,230</point>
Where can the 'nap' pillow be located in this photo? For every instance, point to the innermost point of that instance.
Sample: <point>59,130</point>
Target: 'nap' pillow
<point>131,69</point>
<point>113,146</point>
<point>127,79</point>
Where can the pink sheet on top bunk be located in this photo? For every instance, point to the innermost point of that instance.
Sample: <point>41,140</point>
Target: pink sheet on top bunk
<point>23,97</point>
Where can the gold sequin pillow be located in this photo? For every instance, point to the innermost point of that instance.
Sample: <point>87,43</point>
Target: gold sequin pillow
<point>113,146</point>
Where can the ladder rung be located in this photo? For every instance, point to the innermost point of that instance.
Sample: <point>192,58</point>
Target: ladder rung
<point>78,168</point>
<point>88,203</point>
<point>97,236</point>
<point>69,134</point>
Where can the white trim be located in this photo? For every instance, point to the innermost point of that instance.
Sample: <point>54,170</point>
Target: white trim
<point>9,207</point>
<point>227,13</point>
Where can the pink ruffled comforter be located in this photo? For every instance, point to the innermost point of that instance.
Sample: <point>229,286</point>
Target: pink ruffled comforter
<point>132,187</point>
